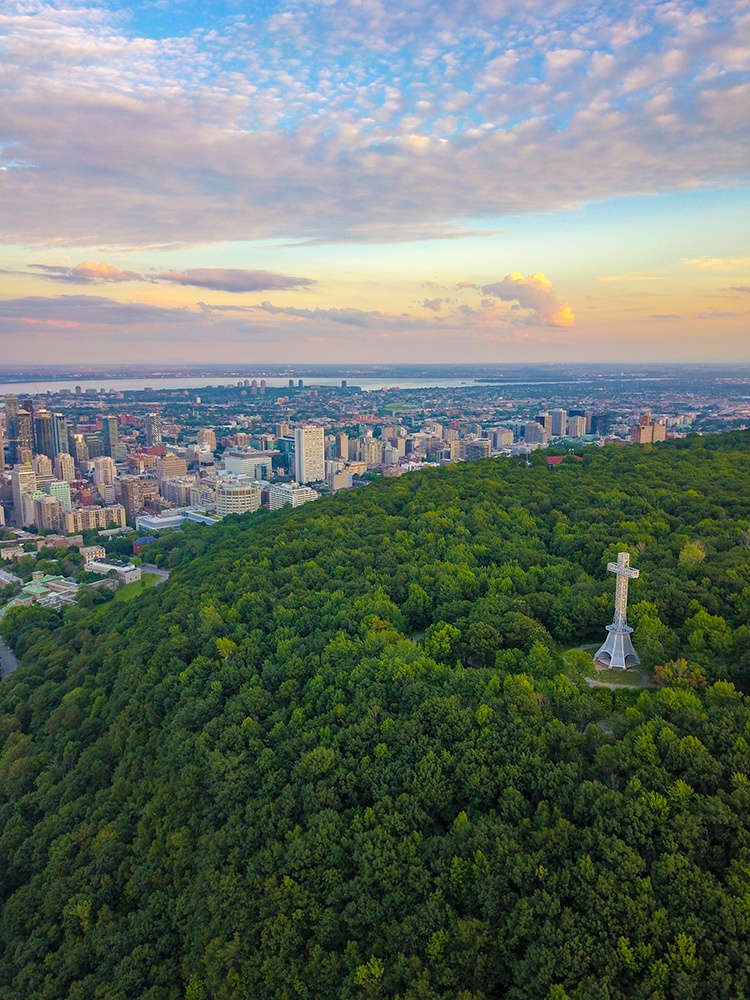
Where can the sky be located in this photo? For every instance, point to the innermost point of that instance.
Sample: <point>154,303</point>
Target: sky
<point>362,181</point>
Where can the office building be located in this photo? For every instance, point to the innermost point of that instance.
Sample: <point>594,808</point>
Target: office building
<point>207,438</point>
<point>111,436</point>
<point>2,449</point>
<point>43,443</point>
<point>60,490</point>
<point>479,448</point>
<point>576,426</point>
<point>535,433</point>
<point>309,454</point>
<point>237,498</point>
<point>11,427</point>
<point>104,471</point>
<point>289,494</point>
<point>170,467</point>
<point>95,445</point>
<point>257,464</point>
<point>65,468</point>
<point>42,465</point>
<point>60,442</point>
<point>545,419</point>
<point>559,423</point>
<point>23,481</point>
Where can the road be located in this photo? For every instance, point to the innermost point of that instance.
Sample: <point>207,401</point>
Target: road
<point>163,574</point>
<point>8,662</point>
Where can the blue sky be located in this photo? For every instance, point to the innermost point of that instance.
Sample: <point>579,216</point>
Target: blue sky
<point>366,180</point>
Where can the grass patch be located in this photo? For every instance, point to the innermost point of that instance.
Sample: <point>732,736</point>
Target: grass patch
<point>614,676</point>
<point>131,590</point>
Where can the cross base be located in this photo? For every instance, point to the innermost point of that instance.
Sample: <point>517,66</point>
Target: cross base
<point>618,647</point>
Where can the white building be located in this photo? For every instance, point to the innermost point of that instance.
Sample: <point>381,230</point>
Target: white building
<point>125,572</point>
<point>237,498</point>
<point>309,454</point>
<point>65,467</point>
<point>257,464</point>
<point>104,471</point>
<point>23,480</point>
<point>289,495</point>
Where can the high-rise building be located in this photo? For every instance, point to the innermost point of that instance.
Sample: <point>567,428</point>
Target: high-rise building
<point>42,465</point>
<point>80,448</point>
<point>559,423</point>
<point>104,471</point>
<point>48,513</point>
<point>132,496</point>
<point>65,467</point>
<point>60,442</point>
<point>576,426</point>
<point>95,445</point>
<point>309,454</point>
<point>535,433</point>
<point>25,439</point>
<point>110,433</point>
<point>170,466</point>
<point>545,419</point>
<point>60,490</point>
<point>43,434</point>
<point>479,448</point>
<point>207,438</point>
<point>237,498</point>
<point>153,429</point>
<point>11,427</point>
<point>372,452</point>
<point>23,480</point>
<point>2,449</point>
<point>342,446</point>
<point>600,423</point>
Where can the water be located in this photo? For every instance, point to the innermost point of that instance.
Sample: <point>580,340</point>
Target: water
<point>188,382</point>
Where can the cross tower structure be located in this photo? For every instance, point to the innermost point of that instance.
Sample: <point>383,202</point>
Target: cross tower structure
<point>618,645</point>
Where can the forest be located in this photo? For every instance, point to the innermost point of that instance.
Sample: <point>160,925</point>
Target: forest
<point>346,751</point>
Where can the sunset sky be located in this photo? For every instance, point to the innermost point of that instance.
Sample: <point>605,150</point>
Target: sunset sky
<point>333,180</point>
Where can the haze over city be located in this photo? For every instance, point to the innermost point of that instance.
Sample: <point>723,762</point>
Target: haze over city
<point>373,182</point>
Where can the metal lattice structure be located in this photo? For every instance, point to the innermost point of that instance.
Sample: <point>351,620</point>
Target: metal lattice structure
<point>618,646</point>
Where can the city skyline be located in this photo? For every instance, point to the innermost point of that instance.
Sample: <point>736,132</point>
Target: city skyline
<point>346,182</point>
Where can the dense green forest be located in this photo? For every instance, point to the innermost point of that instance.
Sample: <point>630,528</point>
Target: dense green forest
<point>343,753</point>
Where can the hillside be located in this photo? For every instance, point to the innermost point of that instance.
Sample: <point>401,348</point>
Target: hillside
<point>258,780</point>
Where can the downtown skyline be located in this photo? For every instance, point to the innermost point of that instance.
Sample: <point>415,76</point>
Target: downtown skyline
<point>365,182</point>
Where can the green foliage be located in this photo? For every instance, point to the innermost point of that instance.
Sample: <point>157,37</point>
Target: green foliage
<point>250,782</point>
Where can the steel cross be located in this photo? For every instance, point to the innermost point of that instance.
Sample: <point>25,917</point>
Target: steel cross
<point>624,572</point>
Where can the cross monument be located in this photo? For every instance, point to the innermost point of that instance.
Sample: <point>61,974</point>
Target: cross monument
<point>618,645</point>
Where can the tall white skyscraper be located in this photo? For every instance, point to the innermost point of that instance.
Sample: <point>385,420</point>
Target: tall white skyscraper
<point>23,481</point>
<point>309,454</point>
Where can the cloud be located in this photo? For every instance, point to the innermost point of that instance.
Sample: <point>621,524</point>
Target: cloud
<point>717,263</point>
<point>745,289</point>
<point>433,304</point>
<point>466,284</point>
<point>536,300</point>
<point>86,273</point>
<point>225,279</point>
<point>228,279</point>
<point>366,121</point>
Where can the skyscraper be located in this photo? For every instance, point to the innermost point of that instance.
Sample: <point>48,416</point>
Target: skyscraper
<point>25,438</point>
<point>11,427</point>
<point>309,454</point>
<point>60,441</point>
<point>43,433</point>
<point>153,429</point>
<point>559,422</point>
<point>111,435</point>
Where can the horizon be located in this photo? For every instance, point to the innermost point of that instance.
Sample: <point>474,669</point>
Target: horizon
<point>315,184</point>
